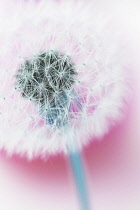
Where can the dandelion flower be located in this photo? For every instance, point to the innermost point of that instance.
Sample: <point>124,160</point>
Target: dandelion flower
<point>62,78</point>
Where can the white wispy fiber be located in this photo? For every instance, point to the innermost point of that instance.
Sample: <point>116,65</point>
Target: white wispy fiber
<point>74,28</point>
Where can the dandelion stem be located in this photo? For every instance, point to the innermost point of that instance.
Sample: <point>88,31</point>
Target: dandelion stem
<point>79,175</point>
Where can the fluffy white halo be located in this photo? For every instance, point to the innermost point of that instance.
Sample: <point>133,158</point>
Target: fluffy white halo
<point>76,29</point>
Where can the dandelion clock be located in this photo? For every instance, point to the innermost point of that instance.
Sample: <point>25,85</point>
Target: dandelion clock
<point>63,83</point>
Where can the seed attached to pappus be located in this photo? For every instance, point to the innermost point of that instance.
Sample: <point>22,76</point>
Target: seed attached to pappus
<point>47,79</point>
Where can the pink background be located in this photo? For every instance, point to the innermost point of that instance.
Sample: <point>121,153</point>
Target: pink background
<point>112,165</point>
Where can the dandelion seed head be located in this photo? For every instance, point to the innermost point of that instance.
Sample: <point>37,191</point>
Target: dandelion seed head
<point>63,82</point>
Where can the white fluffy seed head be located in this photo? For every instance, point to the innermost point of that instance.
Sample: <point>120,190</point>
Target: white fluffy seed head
<point>94,102</point>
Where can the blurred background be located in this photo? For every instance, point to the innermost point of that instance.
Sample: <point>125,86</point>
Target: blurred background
<point>112,165</point>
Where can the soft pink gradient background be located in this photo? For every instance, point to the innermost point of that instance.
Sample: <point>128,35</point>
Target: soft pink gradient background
<point>112,165</point>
